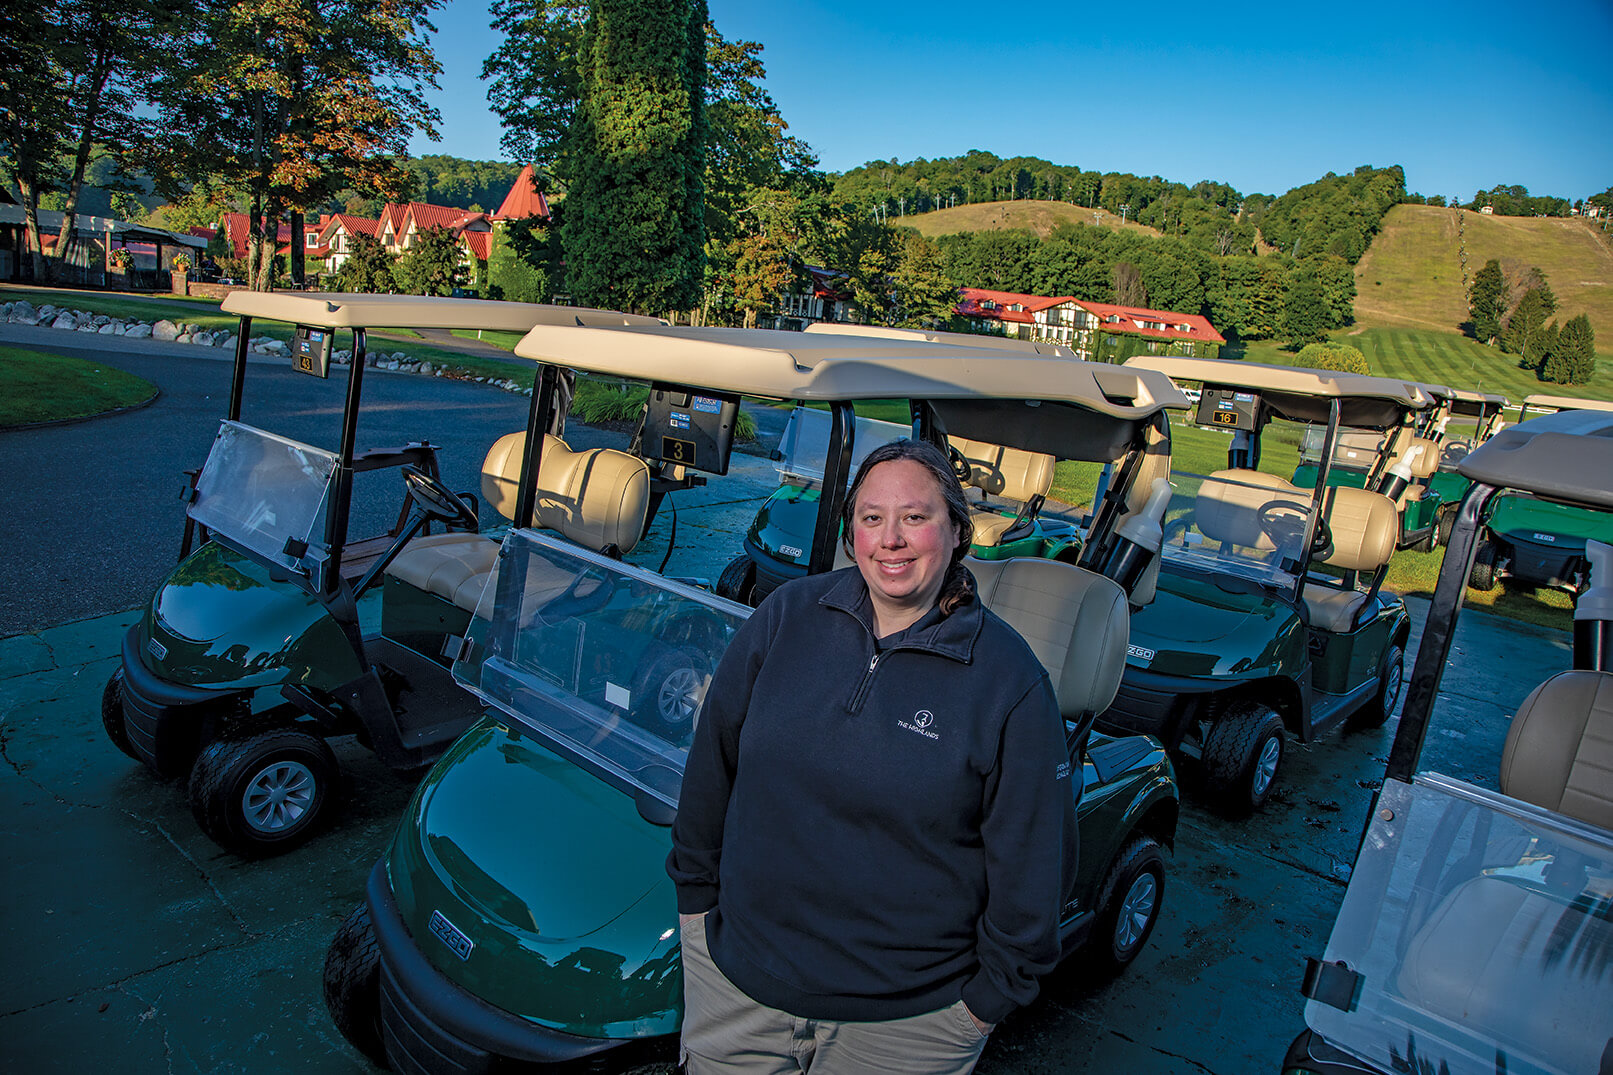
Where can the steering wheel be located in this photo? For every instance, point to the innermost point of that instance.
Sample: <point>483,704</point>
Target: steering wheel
<point>436,499</point>
<point>960,465</point>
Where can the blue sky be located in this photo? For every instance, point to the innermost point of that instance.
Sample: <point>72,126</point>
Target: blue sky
<point>1264,96</point>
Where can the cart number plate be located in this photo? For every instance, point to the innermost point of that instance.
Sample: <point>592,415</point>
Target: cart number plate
<point>445,931</point>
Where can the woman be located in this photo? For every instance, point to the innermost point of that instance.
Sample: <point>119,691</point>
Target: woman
<point>876,823</point>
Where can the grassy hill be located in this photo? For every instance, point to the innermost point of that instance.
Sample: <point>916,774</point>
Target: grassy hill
<point>1039,217</point>
<point>1412,274</point>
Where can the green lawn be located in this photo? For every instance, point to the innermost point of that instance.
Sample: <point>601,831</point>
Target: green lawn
<point>1442,358</point>
<point>50,388</point>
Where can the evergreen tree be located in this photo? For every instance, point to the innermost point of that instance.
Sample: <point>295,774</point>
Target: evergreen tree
<point>1521,335</point>
<point>1573,358</point>
<point>432,265</point>
<point>1487,301</point>
<point>635,231</point>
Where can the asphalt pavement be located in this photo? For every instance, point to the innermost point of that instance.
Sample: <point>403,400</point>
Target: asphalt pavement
<point>135,944</point>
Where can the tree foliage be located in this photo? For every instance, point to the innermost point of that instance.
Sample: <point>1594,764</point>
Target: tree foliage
<point>635,230</point>
<point>69,79</point>
<point>1570,353</point>
<point>286,102</point>
<point>1487,302</point>
<point>368,267</point>
<point>433,264</point>
<point>1336,215</point>
<point>1523,334</point>
<point>516,263</point>
<point>1333,356</point>
<point>1515,200</point>
<point>921,294</point>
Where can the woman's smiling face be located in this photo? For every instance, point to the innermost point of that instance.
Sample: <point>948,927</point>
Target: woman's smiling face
<point>903,540</point>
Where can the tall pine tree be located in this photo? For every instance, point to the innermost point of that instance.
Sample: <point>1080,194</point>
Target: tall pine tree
<point>635,231</point>
<point>1487,302</point>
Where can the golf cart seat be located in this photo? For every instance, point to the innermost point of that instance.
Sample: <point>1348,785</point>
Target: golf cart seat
<point>1012,473</point>
<point>1365,527</point>
<point>598,498</point>
<point>1252,509</point>
<point>1076,621</point>
<point>1559,750</point>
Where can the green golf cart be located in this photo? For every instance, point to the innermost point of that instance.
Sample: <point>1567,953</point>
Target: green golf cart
<point>1476,934</point>
<point>1269,618</point>
<point>522,915</point>
<point>1458,422</point>
<point>1535,542</point>
<point>286,626</point>
<point>1400,463</point>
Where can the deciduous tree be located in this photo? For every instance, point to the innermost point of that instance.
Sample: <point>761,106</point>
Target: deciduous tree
<point>368,267</point>
<point>433,264</point>
<point>922,295</point>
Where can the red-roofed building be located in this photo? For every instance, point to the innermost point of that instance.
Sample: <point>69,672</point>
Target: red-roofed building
<point>336,237</point>
<point>524,199</point>
<point>236,230</point>
<point>1096,331</point>
<point>818,300</point>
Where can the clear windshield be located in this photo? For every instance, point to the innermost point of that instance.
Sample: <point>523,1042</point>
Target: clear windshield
<point>1482,929</point>
<point>606,662</point>
<point>805,444</point>
<point>1239,523</point>
<point>262,491</point>
<point>1357,449</point>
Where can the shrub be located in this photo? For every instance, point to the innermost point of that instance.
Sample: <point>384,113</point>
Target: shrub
<point>1339,357</point>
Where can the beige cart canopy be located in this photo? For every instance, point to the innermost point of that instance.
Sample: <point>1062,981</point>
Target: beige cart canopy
<point>333,310</point>
<point>956,339</point>
<point>1547,404</point>
<point>1062,406</point>
<point>1566,456</point>
<point>1300,395</point>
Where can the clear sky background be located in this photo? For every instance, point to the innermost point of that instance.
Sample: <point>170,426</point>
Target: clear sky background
<point>1264,96</point>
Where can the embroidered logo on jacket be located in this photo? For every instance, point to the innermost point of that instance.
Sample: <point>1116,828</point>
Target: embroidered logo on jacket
<point>920,723</point>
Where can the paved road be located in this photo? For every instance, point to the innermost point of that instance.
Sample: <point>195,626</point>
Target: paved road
<point>134,943</point>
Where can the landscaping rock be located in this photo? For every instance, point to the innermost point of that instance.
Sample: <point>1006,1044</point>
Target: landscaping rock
<point>183,337</point>
<point>165,330</point>
<point>138,332</point>
<point>65,321</point>
<point>202,339</point>
<point>112,328</point>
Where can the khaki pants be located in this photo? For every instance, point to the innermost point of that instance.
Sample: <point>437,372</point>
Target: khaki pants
<point>725,1031</point>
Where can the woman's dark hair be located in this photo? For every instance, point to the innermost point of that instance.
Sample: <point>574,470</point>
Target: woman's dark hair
<point>957,589</point>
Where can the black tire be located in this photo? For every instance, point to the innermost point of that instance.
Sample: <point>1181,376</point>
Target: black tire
<point>1482,577</point>
<point>668,688</point>
<point>1242,755</point>
<point>1129,902</point>
<point>112,714</point>
<point>352,982</point>
<point>291,777</point>
<point>1444,523</point>
<point>1391,681</point>
<point>1426,542</point>
<point>738,580</point>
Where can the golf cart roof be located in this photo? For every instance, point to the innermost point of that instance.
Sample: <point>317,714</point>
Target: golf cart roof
<point>1566,456</point>
<point>1565,403</point>
<point>1300,395</point>
<point>334,310</point>
<point>827,366</point>
<point>956,339</point>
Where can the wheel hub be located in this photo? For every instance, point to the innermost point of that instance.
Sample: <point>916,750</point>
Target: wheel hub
<point>278,796</point>
<point>1136,911</point>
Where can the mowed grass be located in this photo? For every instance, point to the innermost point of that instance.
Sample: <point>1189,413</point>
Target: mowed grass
<point>51,388</point>
<point>1034,216</point>
<point>1412,274</point>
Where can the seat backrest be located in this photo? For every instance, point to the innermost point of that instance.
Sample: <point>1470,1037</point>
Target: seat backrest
<point>1005,472</point>
<point>1559,751</point>
<point>1076,622</point>
<point>1365,527</point>
<point>1421,454</point>
<point>596,497</point>
<point>1246,507</point>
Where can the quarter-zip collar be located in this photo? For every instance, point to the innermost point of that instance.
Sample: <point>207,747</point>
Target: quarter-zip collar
<point>951,636</point>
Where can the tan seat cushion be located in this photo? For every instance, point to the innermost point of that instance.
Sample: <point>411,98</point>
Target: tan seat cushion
<point>455,567</point>
<point>1076,622</point>
<point>1559,751</point>
<point>1248,507</point>
<point>1331,608</point>
<point>596,498</point>
<point>1005,472</point>
<point>1365,527</point>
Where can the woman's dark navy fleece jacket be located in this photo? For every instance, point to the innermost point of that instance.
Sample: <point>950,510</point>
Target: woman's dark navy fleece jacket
<point>880,829</point>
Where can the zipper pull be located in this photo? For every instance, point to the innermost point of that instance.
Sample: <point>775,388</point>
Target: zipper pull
<point>873,662</point>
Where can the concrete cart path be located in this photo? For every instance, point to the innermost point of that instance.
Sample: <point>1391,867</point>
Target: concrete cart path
<point>135,944</point>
